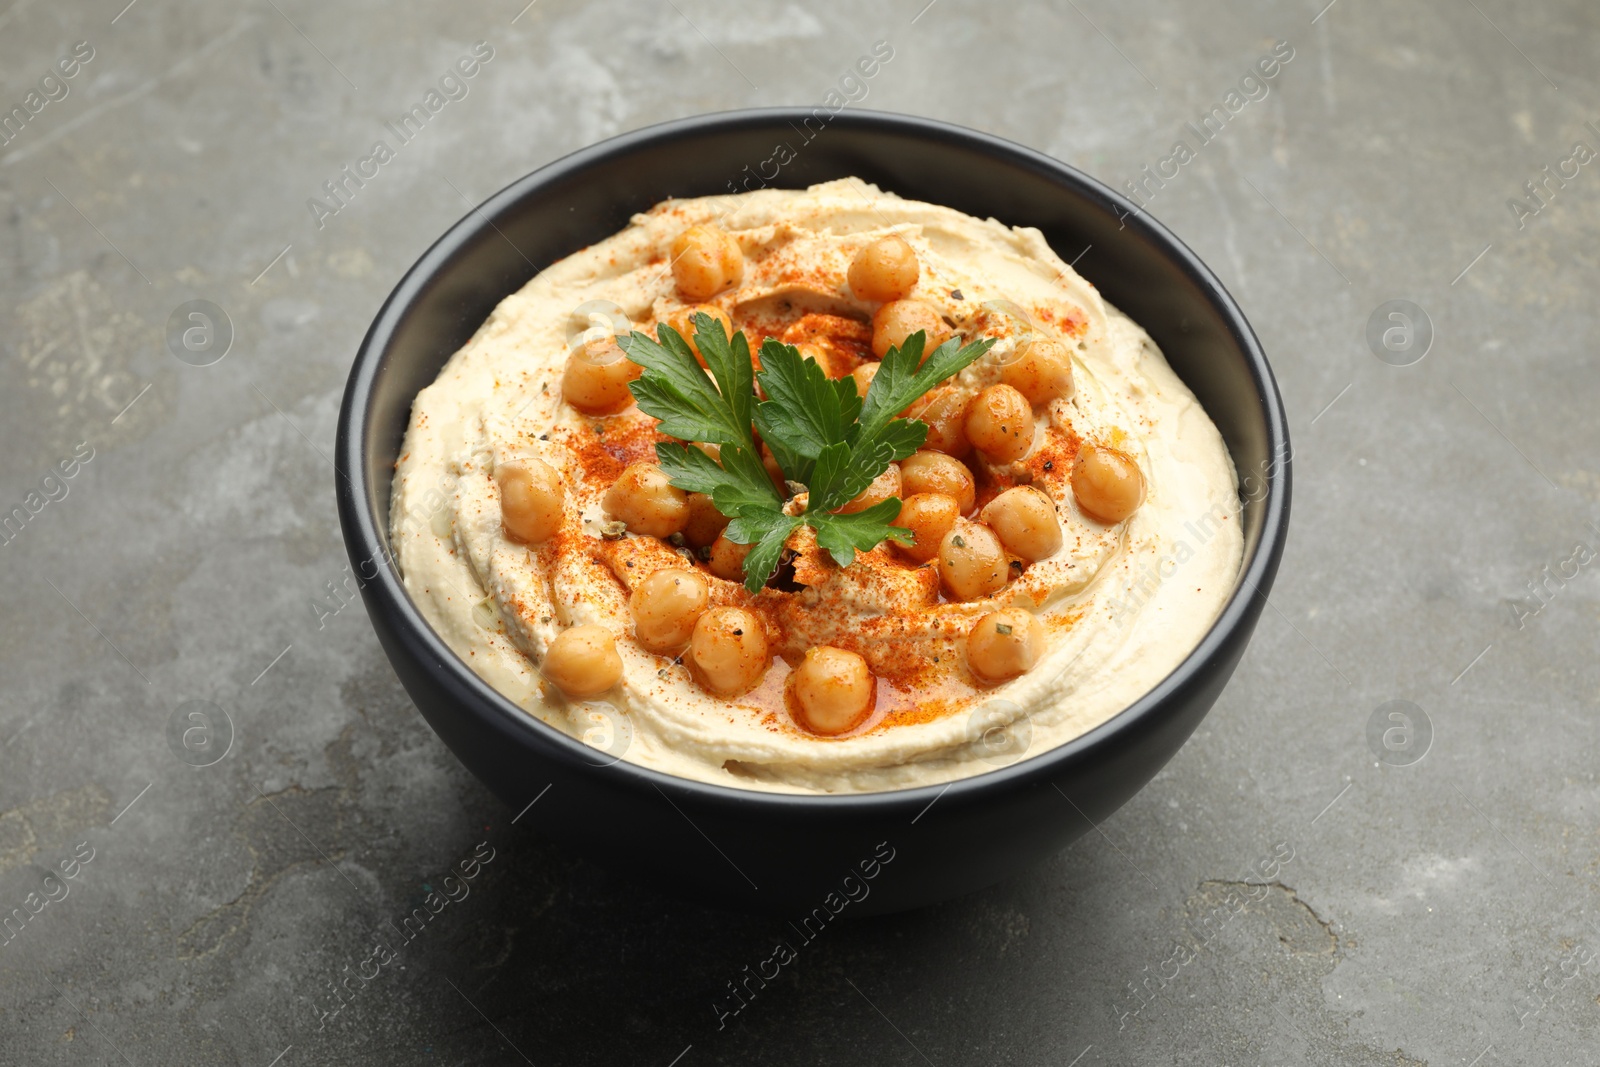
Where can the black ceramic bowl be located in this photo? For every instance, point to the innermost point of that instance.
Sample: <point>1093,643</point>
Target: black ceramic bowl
<point>762,851</point>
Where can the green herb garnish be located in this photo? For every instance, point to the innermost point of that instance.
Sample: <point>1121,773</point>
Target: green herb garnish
<point>821,432</point>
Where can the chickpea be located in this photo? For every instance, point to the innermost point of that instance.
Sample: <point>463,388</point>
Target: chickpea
<point>1107,482</point>
<point>531,499</point>
<point>727,559</point>
<point>945,412</point>
<point>705,261</point>
<point>1024,518</point>
<point>1000,424</point>
<point>728,650</point>
<point>886,269</point>
<point>863,376</point>
<point>650,504</point>
<point>682,320</point>
<point>935,472</point>
<point>666,606</point>
<point>972,562</point>
<point>705,523</point>
<point>832,689</point>
<point>1004,644</point>
<point>929,516</point>
<point>583,661</point>
<point>895,321</point>
<point>1042,373</point>
<point>596,378</point>
<point>882,488</point>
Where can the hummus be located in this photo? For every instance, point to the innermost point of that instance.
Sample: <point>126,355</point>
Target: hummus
<point>1121,603</point>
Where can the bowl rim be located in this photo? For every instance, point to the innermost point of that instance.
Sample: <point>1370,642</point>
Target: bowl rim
<point>361,525</point>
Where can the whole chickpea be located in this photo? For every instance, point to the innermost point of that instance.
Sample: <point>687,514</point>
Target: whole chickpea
<point>705,523</point>
<point>898,319</point>
<point>1107,483</point>
<point>727,559</point>
<point>1004,644</point>
<point>583,661</point>
<point>705,261</point>
<point>1042,373</point>
<point>882,488</point>
<point>972,562</point>
<point>666,606</point>
<point>1000,424</point>
<point>682,321</point>
<point>1024,518</point>
<point>935,472</point>
<point>863,376</point>
<point>832,690</point>
<point>728,650</point>
<point>596,377</point>
<point>944,410</point>
<point>647,501</point>
<point>929,516</point>
<point>886,269</point>
<point>531,499</point>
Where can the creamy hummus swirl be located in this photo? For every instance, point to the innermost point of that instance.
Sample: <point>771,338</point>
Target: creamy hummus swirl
<point>1122,604</point>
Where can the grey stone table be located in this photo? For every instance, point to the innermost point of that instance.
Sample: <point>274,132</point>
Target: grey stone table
<point>1309,881</point>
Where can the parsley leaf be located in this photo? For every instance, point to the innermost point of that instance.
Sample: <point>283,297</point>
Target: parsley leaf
<point>747,486</point>
<point>690,469</point>
<point>879,437</point>
<point>740,489</point>
<point>845,535</point>
<point>843,472</point>
<point>903,376</point>
<point>823,434</point>
<point>805,410</point>
<point>774,529</point>
<point>677,390</point>
<point>729,363</point>
<point>738,482</point>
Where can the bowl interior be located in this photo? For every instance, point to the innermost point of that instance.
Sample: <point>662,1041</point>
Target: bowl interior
<point>578,200</point>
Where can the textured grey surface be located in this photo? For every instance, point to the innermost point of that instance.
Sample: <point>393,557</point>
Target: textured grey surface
<point>1440,912</point>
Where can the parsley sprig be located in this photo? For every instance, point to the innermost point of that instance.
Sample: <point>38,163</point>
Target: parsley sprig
<point>822,433</point>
